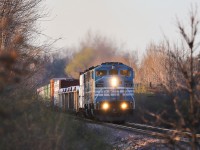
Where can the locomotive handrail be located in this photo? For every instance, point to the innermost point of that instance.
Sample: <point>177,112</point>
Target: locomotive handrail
<point>100,78</point>
<point>130,93</point>
<point>98,94</point>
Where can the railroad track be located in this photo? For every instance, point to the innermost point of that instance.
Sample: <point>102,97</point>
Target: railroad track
<point>162,133</point>
<point>162,130</point>
<point>131,128</point>
<point>155,131</point>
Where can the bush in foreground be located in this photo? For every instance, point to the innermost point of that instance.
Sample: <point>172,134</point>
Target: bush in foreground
<point>27,124</point>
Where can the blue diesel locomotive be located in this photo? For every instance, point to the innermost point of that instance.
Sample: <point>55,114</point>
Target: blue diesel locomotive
<point>106,91</point>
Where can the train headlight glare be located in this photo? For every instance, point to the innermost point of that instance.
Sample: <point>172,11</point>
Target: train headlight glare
<point>124,105</point>
<point>105,106</point>
<point>114,82</point>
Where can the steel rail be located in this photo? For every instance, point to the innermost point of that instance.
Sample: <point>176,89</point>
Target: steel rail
<point>161,129</point>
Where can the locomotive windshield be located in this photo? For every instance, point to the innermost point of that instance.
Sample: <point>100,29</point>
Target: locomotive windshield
<point>113,72</point>
<point>125,73</point>
<point>101,73</point>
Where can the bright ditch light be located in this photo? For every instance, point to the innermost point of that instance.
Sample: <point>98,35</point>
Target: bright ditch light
<point>105,106</point>
<point>124,105</point>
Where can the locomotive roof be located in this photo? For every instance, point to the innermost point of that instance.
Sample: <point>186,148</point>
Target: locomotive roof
<point>112,63</point>
<point>105,63</point>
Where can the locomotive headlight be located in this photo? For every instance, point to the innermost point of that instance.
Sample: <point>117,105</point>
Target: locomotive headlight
<point>114,82</point>
<point>105,106</point>
<point>124,106</point>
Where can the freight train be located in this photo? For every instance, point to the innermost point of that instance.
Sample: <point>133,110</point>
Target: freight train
<point>105,92</point>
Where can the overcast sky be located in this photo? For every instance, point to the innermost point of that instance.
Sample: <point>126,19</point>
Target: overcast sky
<point>133,22</point>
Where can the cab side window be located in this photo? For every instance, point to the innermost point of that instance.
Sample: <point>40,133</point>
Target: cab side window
<point>125,73</point>
<point>101,73</point>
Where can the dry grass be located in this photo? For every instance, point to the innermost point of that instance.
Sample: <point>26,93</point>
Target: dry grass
<point>26,124</point>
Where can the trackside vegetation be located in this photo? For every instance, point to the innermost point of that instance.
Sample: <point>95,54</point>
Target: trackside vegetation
<point>27,124</point>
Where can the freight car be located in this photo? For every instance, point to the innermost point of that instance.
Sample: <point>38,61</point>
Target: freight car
<point>50,92</point>
<point>104,92</point>
<point>69,99</point>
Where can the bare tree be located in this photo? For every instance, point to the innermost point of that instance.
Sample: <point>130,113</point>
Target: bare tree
<point>181,80</point>
<point>94,50</point>
<point>189,76</point>
<point>18,55</point>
